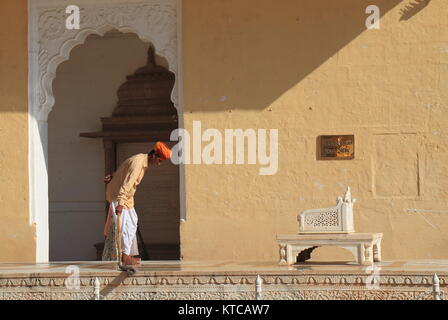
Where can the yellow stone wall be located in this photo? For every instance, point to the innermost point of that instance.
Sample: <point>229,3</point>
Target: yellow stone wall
<point>304,67</point>
<point>311,68</point>
<point>17,241</point>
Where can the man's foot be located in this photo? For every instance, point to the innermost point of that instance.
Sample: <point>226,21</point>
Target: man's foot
<point>128,260</point>
<point>137,258</point>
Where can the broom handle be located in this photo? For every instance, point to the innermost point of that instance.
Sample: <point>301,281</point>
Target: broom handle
<point>119,238</point>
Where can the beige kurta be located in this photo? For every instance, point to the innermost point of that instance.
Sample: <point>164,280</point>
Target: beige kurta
<point>126,179</point>
<point>124,183</point>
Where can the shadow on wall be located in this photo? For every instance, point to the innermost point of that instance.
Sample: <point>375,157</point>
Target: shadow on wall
<point>246,55</point>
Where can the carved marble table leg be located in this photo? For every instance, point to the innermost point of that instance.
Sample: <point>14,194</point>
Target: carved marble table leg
<point>368,254</point>
<point>283,254</point>
<point>377,251</point>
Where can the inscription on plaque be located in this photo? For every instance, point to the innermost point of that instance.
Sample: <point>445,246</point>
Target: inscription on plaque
<point>337,147</point>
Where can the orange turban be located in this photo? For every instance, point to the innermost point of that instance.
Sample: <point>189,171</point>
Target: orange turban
<point>162,150</point>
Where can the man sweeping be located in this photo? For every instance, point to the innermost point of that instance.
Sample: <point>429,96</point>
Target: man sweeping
<point>120,191</point>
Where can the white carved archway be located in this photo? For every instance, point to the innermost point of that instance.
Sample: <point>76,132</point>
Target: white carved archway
<point>50,43</point>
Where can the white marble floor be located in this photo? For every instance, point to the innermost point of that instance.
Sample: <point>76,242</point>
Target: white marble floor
<point>226,267</point>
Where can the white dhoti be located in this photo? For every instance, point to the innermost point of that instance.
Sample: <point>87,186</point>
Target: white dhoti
<point>128,226</point>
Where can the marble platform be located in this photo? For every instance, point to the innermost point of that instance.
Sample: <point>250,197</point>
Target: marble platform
<point>223,280</point>
<point>365,247</point>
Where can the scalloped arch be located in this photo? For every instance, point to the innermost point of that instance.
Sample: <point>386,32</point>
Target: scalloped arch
<point>152,21</point>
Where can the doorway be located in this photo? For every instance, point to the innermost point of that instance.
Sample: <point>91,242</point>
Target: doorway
<point>85,90</point>
<point>50,44</point>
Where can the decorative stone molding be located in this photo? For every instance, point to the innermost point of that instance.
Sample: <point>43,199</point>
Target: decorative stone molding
<point>386,279</point>
<point>298,286</point>
<point>154,21</point>
<point>338,219</point>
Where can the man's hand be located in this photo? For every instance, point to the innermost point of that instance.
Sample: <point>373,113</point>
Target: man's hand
<point>107,178</point>
<point>118,210</point>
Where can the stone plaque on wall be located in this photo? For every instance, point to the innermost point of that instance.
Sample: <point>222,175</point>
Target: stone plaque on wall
<point>337,147</point>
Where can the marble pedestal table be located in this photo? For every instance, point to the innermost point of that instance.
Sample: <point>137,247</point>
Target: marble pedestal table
<point>365,247</point>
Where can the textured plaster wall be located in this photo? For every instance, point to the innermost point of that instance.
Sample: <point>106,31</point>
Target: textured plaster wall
<point>310,68</point>
<point>17,241</point>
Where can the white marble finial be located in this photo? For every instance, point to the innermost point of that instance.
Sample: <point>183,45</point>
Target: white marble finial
<point>258,288</point>
<point>96,289</point>
<point>436,287</point>
<point>348,196</point>
<point>436,279</point>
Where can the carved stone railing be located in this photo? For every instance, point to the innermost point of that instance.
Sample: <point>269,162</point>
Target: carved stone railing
<point>284,283</point>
